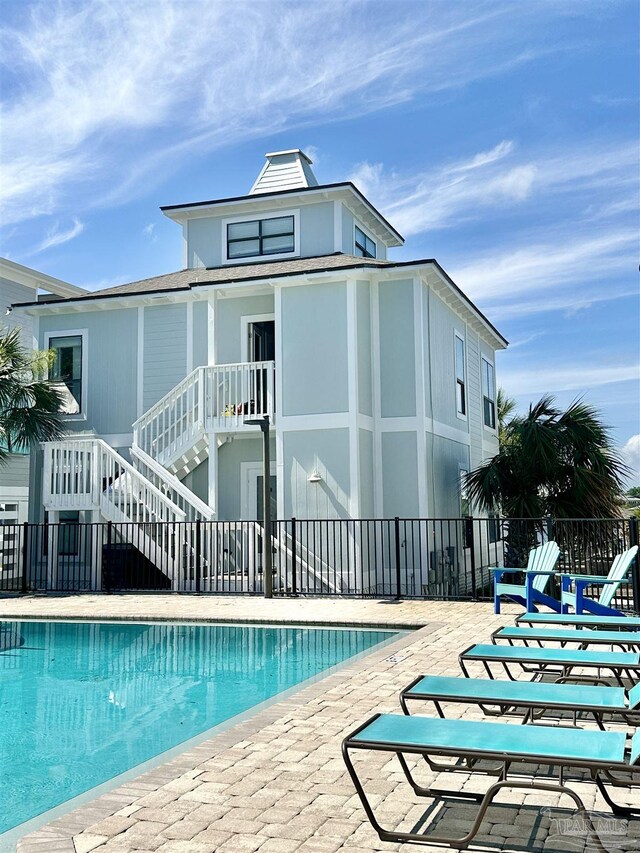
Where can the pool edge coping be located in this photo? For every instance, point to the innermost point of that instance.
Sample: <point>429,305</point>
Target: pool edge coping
<point>58,834</point>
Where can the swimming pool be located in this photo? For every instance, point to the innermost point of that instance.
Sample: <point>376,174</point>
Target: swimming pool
<point>83,702</point>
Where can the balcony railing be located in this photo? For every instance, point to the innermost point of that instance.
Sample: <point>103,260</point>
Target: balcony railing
<point>235,392</point>
<point>216,398</point>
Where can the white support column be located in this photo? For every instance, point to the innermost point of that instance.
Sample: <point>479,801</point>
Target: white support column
<point>352,377</point>
<point>378,503</point>
<point>211,330</point>
<point>354,442</point>
<point>96,551</point>
<point>212,493</point>
<point>189,364</point>
<point>421,440</point>
<point>52,548</point>
<point>280,496</point>
<point>140,364</point>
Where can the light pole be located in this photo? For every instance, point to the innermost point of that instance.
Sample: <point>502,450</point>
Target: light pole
<point>267,568</point>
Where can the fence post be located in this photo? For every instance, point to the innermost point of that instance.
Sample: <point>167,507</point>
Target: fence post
<point>548,523</point>
<point>471,539</point>
<point>294,558</point>
<point>634,539</point>
<point>25,555</point>
<point>110,558</point>
<point>198,553</point>
<point>396,523</point>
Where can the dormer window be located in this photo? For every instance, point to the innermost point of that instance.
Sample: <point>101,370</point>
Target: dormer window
<point>365,247</point>
<point>274,235</point>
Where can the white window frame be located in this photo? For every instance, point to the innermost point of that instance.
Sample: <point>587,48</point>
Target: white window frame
<point>492,429</point>
<point>72,333</point>
<point>251,217</point>
<point>460,415</point>
<point>368,234</point>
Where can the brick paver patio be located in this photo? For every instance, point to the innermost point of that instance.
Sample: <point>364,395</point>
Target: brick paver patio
<point>276,783</point>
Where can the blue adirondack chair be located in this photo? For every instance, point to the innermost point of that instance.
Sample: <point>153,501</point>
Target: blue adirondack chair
<point>540,567</point>
<point>575,586</point>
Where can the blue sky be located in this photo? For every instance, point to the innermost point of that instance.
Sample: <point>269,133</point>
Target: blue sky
<point>499,137</point>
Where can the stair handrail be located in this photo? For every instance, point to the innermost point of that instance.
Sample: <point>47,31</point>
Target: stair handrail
<point>96,487</point>
<point>174,483</point>
<point>193,379</point>
<point>159,403</point>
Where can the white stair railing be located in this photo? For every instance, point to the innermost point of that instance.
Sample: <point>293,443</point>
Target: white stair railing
<point>216,398</point>
<point>193,507</point>
<point>88,474</point>
<point>175,422</point>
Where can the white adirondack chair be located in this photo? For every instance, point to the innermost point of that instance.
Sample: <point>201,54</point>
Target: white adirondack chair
<point>575,586</point>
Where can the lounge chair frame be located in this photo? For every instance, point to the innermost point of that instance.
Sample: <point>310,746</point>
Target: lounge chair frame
<point>483,800</point>
<point>531,664</point>
<point>581,620</point>
<point>583,639</point>
<point>530,705</point>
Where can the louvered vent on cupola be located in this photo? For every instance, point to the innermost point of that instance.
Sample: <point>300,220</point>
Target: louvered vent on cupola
<point>285,170</point>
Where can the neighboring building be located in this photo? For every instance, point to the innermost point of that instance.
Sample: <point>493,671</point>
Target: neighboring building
<point>378,376</point>
<point>21,284</point>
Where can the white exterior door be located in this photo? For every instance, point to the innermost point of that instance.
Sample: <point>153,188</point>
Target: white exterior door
<point>252,489</point>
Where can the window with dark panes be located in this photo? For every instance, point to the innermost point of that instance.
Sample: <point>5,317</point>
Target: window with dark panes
<point>258,237</point>
<point>365,246</point>
<point>461,394</point>
<point>67,370</point>
<point>489,394</point>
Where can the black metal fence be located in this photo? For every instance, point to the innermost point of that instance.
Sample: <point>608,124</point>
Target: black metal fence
<point>443,558</point>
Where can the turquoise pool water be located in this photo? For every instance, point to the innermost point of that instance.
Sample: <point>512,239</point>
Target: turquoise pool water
<point>83,702</point>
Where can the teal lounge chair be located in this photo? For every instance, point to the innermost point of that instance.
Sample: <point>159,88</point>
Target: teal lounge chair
<point>575,586</point>
<point>567,636</point>
<point>558,748</point>
<point>497,698</point>
<point>540,566</point>
<point>606,623</point>
<point>555,662</point>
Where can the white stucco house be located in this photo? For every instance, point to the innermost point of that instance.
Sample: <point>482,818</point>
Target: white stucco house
<point>378,375</point>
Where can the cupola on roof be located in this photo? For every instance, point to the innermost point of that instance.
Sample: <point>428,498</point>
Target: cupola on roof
<point>285,170</point>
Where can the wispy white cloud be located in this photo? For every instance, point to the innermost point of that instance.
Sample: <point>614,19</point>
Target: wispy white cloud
<point>630,453</point>
<point>149,232</point>
<point>450,194</point>
<point>583,236</point>
<point>555,378</point>
<point>109,281</point>
<point>542,267</point>
<point>91,86</point>
<point>57,236</point>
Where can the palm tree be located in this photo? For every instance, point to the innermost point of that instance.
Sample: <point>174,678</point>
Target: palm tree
<point>29,403</point>
<point>506,408</point>
<point>550,463</point>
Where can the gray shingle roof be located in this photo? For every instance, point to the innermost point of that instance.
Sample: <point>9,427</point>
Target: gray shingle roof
<point>224,275</point>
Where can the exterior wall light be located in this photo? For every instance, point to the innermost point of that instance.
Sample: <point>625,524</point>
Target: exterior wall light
<point>315,478</point>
